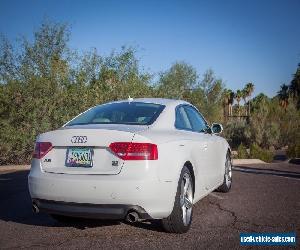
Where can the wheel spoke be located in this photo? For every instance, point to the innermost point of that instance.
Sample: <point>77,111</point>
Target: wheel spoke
<point>182,194</point>
<point>188,204</point>
<point>186,185</point>
<point>182,187</point>
<point>184,215</point>
<point>228,172</point>
<point>186,198</point>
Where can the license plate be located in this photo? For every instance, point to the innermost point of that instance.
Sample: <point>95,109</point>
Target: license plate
<point>79,157</point>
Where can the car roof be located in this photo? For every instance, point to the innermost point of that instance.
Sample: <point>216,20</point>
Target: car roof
<point>161,101</point>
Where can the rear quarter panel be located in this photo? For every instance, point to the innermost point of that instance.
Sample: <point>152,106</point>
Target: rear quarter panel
<point>171,155</point>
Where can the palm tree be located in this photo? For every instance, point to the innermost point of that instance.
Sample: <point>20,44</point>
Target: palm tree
<point>238,97</point>
<point>294,88</point>
<point>244,96</point>
<point>231,100</point>
<point>249,88</point>
<point>283,95</point>
<point>226,94</point>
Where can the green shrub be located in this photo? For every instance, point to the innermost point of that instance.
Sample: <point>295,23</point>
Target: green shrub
<point>257,152</point>
<point>294,150</point>
<point>235,132</point>
<point>242,152</point>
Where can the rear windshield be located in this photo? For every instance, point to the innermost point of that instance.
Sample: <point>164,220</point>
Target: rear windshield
<point>135,113</point>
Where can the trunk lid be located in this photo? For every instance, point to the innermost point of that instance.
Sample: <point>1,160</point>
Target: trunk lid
<point>93,140</point>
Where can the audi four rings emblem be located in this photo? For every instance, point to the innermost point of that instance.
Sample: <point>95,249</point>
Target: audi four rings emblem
<point>79,139</point>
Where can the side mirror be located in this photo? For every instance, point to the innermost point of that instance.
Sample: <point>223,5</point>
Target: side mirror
<point>216,128</point>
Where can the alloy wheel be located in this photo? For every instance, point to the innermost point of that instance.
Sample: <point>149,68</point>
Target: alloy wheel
<point>186,198</point>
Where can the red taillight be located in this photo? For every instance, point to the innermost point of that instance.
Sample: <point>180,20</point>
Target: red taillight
<point>134,150</point>
<point>41,149</point>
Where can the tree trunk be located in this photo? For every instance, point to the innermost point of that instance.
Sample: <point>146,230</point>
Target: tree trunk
<point>225,111</point>
<point>249,108</point>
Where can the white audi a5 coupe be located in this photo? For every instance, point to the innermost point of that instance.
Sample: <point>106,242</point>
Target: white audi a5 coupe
<point>136,159</point>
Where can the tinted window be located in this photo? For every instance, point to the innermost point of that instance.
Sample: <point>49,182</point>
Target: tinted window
<point>136,113</point>
<point>182,120</point>
<point>196,120</point>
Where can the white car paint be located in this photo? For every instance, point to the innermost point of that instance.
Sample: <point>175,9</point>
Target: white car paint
<point>150,184</point>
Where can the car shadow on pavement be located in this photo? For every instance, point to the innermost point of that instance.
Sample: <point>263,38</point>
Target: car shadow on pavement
<point>16,205</point>
<point>82,223</point>
<point>152,225</point>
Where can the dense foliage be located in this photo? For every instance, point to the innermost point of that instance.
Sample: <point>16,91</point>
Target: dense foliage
<point>44,83</point>
<point>269,126</point>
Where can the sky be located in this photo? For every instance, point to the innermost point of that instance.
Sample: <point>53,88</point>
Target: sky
<point>243,41</point>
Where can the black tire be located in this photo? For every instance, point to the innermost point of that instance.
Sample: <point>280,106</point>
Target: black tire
<point>175,222</point>
<point>227,182</point>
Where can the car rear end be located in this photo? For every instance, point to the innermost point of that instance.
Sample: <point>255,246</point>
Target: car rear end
<point>99,170</point>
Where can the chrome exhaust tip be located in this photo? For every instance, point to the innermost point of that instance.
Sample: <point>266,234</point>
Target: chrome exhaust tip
<point>35,208</point>
<point>132,217</point>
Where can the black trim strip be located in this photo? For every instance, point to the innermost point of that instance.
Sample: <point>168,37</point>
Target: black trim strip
<point>87,210</point>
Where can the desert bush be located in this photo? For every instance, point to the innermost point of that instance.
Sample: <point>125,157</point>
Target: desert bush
<point>242,152</point>
<point>256,152</point>
<point>294,150</point>
<point>235,133</point>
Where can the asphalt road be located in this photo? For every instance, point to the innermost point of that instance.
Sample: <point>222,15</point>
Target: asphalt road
<point>260,201</point>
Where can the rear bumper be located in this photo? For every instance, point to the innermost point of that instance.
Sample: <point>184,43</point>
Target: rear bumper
<point>99,196</point>
<point>85,210</point>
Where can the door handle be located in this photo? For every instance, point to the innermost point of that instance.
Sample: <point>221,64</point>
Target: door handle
<point>205,147</point>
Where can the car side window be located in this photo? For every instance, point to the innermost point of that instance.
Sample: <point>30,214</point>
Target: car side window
<point>196,120</point>
<point>182,121</point>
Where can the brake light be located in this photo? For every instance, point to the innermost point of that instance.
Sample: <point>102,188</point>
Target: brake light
<point>41,149</point>
<point>134,150</point>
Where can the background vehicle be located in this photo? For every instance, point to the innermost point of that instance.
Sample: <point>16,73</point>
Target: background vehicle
<point>134,159</point>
